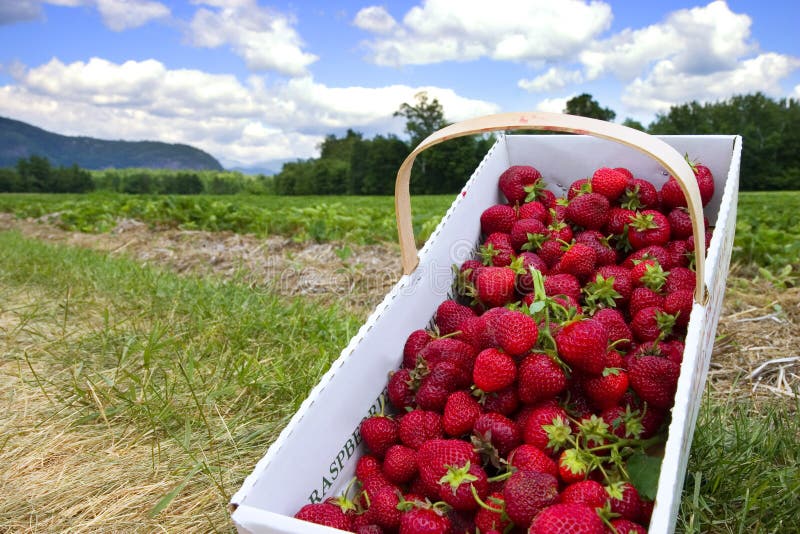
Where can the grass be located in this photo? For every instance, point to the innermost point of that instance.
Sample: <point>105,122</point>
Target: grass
<point>192,377</point>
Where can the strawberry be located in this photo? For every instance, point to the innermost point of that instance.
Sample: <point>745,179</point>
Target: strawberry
<point>655,380</point>
<point>504,402</point>
<point>573,465</point>
<point>680,223</point>
<point>516,333</point>
<point>579,187</point>
<point>383,510</point>
<point>648,273</point>
<point>550,252</point>
<point>578,260</point>
<point>546,197</point>
<point>435,456</point>
<point>647,228</point>
<point>530,261</point>
<point>600,292</point>
<point>705,182</point>
<point>625,171</point>
<point>590,211</point>
<point>539,378</point>
<point>419,426</point>
<point>492,518</point>
<point>618,220</point>
<point>449,315</point>
<point>415,342</point>
<point>432,393</point>
<point>588,492</point>
<point>582,344</point>
<point>469,270</point>
<point>599,243</point>
<point>672,195</point>
<point>640,194</point>
<point>617,328</point>
<point>680,278</point>
<point>562,284</point>
<point>567,519</point>
<point>655,251</point>
<point>498,218</point>
<point>515,179</point>
<point>546,427</point>
<point>534,210</point>
<point>625,500</point>
<point>493,370</point>
<point>679,304</point>
<point>325,513</point>
<point>526,493</point>
<point>424,521</point>
<point>679,254</point>
<point>495,286</point>
<point>609,182</point>
<point>642,298</point>
<point>400,391</point>
<point>652,323</point>
<point>624,526</point>
<point>690,241</point>
<point>606,390</point>
<point>399,464</point>
<point>460,413</point>
<point>458,483</point>
<point>379,432</point>
<point>529,458</point>
<point>528,234</point>
<point>622,281</point>
<point>499,431</point>
<point>622,422</point>
<point>497,250</point>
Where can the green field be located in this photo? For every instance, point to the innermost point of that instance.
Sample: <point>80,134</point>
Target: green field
<point>139,399</point>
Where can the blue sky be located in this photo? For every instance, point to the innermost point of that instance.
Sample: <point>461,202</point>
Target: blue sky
<point>256,82</point>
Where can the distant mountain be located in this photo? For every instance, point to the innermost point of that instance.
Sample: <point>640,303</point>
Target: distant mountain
<point>21,140</point>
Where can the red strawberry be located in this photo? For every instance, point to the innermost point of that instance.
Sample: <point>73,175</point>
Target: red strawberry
<point>501,432</point>
<point>472,329</point>
<point>469,269</point>
<point>603,251</point>
<point>534,210</point>
<point>625,500</point>
<point>648,273</point>
<point>578,260</point>
<point>399,390</point>
<point>573,466</point>
<point>655,251</point>
<point>419,426</point>
<point>623,282</point>
<point>590,210</point>
<point>379,432</point>
<point>539,378</point>
<point>449,315</point>
<point>497,250</point>
<point>528,234</point>
<point>493,370</point>
<point>498,218</point>
<point>416,342</point>
<point>609,182</point>
<point>582,344</point>
<point>680,278</point>
<point>705,182</point>
<point>436,455</point>
<point>383,510</point>
<point>680,222</point>
<point>588,492</point>
<point>526,493</point>
<point>530,261</point>
<point>624,526</point>
<point>562,284</point>
<point>546,427</point>
<point>567,519</point>
<point>679,304</point>
<point>642,298</point>
<point>494,518</point>
<point>616,327</point>
<point>607,389</point>
<point>400,464</point>
<point>504,402</point>
<point>424,521</point>
<point>515,179</point>
<point>550,252</point>
<point>628,174</point>
<point>647,228</point>
<point>655,380</point>
<point>460,413</point>
<point>690,241</point>
<point>495,286</point>
<point>459,481</point>
<point>672,195</point>
<point>652,323</point>
<point>530,458</point>
<point>640,194</point>
<point>600,291</point>
<point>618,219</point>
<point>579,187</point>
<point>679,254</point>
<point>516,333</point>
<point>325,513</point>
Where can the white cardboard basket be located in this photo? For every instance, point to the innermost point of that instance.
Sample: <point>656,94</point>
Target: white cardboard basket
<point>314,457</point>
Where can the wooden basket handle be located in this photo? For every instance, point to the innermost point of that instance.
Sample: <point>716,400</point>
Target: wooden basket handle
<point>657,149</point>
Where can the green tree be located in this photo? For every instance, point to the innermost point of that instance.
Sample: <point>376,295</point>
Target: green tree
<point>423,118</point>
<point>9,181</point>
<point>35,174</point>
<point>586,106</point>
<point>632,123</point>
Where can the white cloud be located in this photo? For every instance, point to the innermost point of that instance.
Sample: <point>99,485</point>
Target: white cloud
<point>375,19</point>
<point>119,15</point>
<point>698,40</point>
<point>554,105</point>
<point>19,11</point>
<point>667,85</point>
<point>264,38</point>
<point>506,30</point>
<point>242,123</point>
<point>554,78</point>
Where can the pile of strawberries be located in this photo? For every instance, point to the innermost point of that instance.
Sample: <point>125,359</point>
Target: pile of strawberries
<point>534,399</point>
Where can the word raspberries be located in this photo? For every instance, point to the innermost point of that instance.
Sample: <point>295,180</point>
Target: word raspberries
<point>551,369</point>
